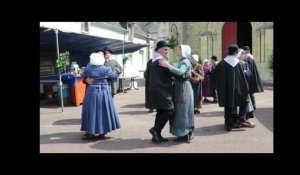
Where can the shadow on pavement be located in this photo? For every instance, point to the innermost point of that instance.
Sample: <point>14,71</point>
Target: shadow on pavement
<point>63,137</point>
<point>68,122</point>
<point>142,105</point>
<point>135,112</point>
<point>265,117</point>
<point>211,114</point>
<point>214,130</point>
<point>108,143</point>
<point>129,144</point>
<point>54,105</point>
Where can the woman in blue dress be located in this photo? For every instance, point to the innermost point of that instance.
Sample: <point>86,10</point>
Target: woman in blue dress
<point>99,114</point>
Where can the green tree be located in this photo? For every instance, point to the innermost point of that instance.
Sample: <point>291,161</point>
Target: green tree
<point>126,58</point>
<point>173,42</point>
<point>270,65</point>
<point>61,62</point>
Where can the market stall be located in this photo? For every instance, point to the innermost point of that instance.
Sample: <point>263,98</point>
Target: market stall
<point>57,41</point>
<point>76,87</point>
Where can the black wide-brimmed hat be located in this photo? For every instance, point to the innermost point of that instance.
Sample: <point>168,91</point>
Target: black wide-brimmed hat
<point>107,49</point>
<point>232,49</point>
<point>161,44</point>
<point>246,48</point>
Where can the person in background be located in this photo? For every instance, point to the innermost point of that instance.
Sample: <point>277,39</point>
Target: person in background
<point>148,98</point>
<point>205,82</point>
<point>249,109</point>
<point>214,61</point>
<point>115,66</point>
<point>197,75</point>
<point>255,85</point>
<point>99,114</point>
<point>229,79</point>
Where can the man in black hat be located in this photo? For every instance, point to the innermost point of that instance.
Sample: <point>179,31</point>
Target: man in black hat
<point>160,90</point>
<point>231,84</point>
<point>115,66</point>
<point>254,82</point>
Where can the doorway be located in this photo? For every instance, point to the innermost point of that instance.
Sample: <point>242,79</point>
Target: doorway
<point>236,33</point>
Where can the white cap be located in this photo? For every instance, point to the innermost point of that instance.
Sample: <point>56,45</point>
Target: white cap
<point>97,59</point>
<point>186,51</point>
<point>196,57</point>
<point>205,61</point>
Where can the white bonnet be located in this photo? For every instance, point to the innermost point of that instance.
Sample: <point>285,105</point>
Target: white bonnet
<point>97,59</point>
<point>196,57</point>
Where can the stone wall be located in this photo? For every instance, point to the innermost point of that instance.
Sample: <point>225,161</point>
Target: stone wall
<point>206,39</point>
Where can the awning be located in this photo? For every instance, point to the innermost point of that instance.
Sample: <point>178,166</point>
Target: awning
<point>82,44</point>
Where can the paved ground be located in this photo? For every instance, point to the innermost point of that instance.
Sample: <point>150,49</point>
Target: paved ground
<point>60,132</point>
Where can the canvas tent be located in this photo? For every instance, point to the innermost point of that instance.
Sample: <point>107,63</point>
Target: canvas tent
<point>80,44</point>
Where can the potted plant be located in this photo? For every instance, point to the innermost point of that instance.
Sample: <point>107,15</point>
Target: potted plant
<point>125,59</point>
<point>173,42</point>
<point>62,62</point>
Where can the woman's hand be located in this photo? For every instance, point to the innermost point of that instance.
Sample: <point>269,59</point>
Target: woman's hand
<point>201,78</point>
<point>164,63</point>
<point>89,80</point>
<point>116,69</point>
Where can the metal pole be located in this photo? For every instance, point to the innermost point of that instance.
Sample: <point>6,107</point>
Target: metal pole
<point>148,48</point>
<point>60,82</point>
<point>123,57</point>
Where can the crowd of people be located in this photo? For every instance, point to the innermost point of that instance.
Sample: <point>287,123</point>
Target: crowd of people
<point>176,92</point>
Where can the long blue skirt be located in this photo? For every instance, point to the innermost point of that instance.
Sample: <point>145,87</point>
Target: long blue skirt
<point>183,122</point>
<point>99,114</point>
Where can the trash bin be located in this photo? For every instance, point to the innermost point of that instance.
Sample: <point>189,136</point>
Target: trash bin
<point>66,94</point>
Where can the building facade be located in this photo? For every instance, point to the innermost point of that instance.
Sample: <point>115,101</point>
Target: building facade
<point>213,38</point>
<point>126,31</point>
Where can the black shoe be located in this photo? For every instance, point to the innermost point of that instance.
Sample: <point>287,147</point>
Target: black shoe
<point>237,125</point>
<point>88,136</point>
<point>155,137</point>
<point>187,138</point>
<point>150,110</point>
<point>228,125</point>
<point>191,135</point>
<point>102,136</point>
<point>162,138</point>
<point>183,139</point>
<point>196,112</point>
<point>228,128</point>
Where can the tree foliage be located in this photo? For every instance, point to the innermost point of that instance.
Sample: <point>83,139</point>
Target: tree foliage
<point>271,61</point>
<point>173,42</point>
<point>61,62</point>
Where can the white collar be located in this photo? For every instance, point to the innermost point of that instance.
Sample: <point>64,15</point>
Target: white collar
<point>156,56</point>
<point>232,60</point>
